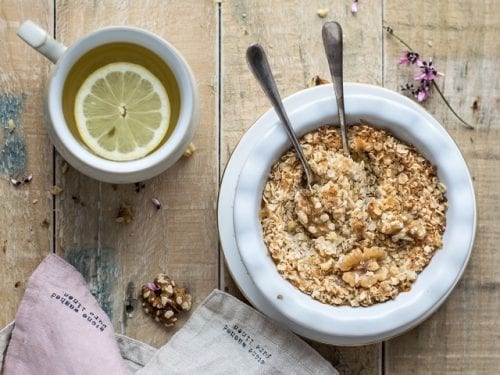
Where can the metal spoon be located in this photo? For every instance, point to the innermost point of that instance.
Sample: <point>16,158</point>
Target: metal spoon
<point>257,60</point>
<point>332,40</point>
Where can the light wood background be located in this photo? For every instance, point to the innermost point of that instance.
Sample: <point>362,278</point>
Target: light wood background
<point>181,239</point>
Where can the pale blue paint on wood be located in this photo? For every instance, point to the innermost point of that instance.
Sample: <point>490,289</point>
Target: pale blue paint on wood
<point>13,148</point>
<point>98,268</point>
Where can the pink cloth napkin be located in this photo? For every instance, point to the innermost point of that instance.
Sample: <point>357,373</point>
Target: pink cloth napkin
<point>60,328</point>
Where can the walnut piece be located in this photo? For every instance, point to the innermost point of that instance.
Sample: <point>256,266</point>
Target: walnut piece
<point>323,12</point>
<point>362,267</point>
<point>163,300</point>
<point>55,190</point>
<point>317,81</point>
<point>363,259</point>
<point>125,214</point>
<point>190,150</point>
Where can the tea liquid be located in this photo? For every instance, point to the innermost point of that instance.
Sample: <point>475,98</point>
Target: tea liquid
<point>119,52</point>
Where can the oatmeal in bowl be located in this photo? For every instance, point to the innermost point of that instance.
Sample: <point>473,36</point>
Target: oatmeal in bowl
<point>363,232</point>
<point>377,244</point>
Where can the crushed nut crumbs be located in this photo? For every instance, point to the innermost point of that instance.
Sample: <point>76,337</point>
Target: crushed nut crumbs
<point>55,190</point>
<point>366,230</point>
<point>323,12</point>
<point>190,150</point>
<point>317,81</point>
<point>125,214</point>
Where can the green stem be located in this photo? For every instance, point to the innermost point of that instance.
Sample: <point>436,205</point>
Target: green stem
<point>390,31</point>
<point>465,123</point>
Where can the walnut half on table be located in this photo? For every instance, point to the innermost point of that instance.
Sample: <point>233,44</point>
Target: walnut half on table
<point>163,300</point>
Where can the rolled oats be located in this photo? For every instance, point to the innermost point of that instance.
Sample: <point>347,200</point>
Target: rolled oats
<point>363,233</point>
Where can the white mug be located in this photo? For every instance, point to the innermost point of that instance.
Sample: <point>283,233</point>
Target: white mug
<point>71,148</point>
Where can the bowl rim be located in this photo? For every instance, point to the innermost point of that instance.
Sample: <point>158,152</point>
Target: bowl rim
<point>348,334</point>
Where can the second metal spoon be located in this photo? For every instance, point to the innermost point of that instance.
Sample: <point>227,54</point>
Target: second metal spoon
<point>332,40</point>
<point>257,60</point>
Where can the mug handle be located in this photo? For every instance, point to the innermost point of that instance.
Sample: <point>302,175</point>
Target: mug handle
<point>41,41</point>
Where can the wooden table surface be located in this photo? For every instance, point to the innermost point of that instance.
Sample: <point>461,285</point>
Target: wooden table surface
<point>181,239</point>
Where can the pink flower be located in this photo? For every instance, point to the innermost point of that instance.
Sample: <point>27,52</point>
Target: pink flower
<point>354,6</point>
<point>427,76</point>
<point>153,287</point>
<point>409,57</point>
<point>427,71</point>
<point>422,93</point>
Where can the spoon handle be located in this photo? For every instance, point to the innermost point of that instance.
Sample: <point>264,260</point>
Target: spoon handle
<point>257,60</point>
<point>332,40</point>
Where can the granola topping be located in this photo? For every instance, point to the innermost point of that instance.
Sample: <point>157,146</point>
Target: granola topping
<point>364,232</point>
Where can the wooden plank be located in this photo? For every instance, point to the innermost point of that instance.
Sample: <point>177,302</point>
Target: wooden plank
<point>181,238</point>
<point>461,36</point>
<point>26,210</point>
<point>290,31</point>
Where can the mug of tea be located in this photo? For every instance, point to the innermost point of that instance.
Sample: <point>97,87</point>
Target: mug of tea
<point>121,104</point>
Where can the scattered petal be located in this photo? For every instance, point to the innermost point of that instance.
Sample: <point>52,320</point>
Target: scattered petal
<point>27,179</point>
<point>156,202</point>
<point>15,182</point>
<point>19,180</point>
<point>354,6</point>
<point>153,287</point>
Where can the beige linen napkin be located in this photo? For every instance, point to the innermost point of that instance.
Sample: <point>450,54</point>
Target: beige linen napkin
<point>226,336</point>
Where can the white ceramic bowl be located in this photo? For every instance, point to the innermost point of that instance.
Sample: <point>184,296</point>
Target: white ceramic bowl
<point>405,119</point>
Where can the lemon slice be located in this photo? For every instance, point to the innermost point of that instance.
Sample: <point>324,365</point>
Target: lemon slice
<point>122,111</point>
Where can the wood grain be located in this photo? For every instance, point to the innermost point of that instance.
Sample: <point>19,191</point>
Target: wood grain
<point>25,227</point>
<point>290,31</point>
<point>181,238</point>
<point>461,36</point>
